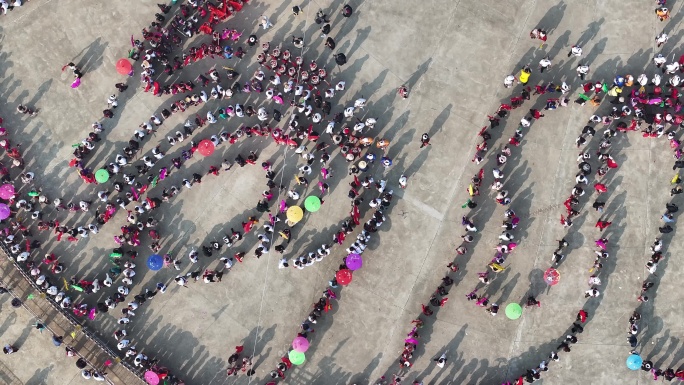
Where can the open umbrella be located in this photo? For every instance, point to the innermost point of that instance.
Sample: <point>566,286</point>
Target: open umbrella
<point>551,276</point>
<point>4,211</point>
<point>151,377</point>
<point>344,277</point>
<point>123,66</point>
<point>634,362</point>
<point>353,261</point>
<point>513,311</point>
<point>6,191</point>
<point>300,344</point>
<point>101,175</point>
<point>206,147</point>
<point>295,214</point>
<point>312,204</point>
<point>155,262</point>
<point>297,358</point>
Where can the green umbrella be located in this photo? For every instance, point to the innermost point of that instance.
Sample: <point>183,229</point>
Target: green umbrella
<point>312,204</point>
<point>513,311</point>
<point>297,358</point>
<point>101,175</point>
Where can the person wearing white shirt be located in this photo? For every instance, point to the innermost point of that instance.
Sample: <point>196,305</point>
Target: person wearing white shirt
<point>508,81</point>
<point>662,39</point>
<point>544,64</point>
<point>575,50</point>
<point>671,68</point>
<point>582,71</point>
<point>659,60</point>
<point>656,80</point>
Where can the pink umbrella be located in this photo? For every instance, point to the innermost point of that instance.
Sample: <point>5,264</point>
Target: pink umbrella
<point>151,377</point>
<point>300,344</point>
<point>6,191</point>
<point>411,341</point>
<point>76,83</point>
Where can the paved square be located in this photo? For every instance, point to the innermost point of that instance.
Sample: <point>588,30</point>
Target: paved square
<point>453,55</point>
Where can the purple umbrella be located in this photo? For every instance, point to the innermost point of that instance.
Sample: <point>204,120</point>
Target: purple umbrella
<point>4,211</point>
<point>353,261</point>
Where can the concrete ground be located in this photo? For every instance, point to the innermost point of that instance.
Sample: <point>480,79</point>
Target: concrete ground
<point>454,56</point>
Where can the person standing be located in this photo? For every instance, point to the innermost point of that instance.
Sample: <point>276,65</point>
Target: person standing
<point>441,360</point>
<point>582,71</point>
<point>325,30</point>
<point>524,76</point>
<point>662,39</point>
<point>544,64</point>
<point>330,43</point>
<point>424,140</point>
<point>575,50</point>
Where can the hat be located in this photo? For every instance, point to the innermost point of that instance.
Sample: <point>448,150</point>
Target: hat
<point>363,164</point>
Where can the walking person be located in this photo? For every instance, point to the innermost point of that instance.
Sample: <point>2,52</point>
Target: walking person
<point>582,71</point>
<point>544,64</point>
<point>424,140</point>
<point>575,50</point>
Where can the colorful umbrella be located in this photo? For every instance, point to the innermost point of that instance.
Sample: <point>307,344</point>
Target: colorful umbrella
<point>206,147</point>
<point>155,262</point>
<point>297,358</point>
<point>6,191</point>
<point>344,277</point>
<point>151,377</point>
<point>353,261</point>
<point>551,276</point>
<point>513,311</point>
<point>101,175</point>
<point>634,362</point>
<point>123,66</point>
<point>300,344</point>
<point>312,204</point>
<point>295,214</point>
<point>4,211</point>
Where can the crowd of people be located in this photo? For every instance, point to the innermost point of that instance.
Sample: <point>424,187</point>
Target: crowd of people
<point>631,104</point>
<point>293,82</point>
<point>129,180</point>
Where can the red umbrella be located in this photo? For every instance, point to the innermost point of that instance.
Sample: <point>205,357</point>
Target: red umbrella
<point>123,66</point>
<point>206,147</point>
<point>551,276</point>
<point>344,277</point>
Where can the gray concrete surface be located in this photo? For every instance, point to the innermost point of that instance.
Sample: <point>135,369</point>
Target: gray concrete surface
<point>454,56</point>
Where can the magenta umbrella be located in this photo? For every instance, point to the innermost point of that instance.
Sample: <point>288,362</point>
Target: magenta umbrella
<point>411,341</point>
<point>151,377</point>
<point>6,191</point>
<point>4,211</point>
<point>300,344</point>
<point>353,261</point>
